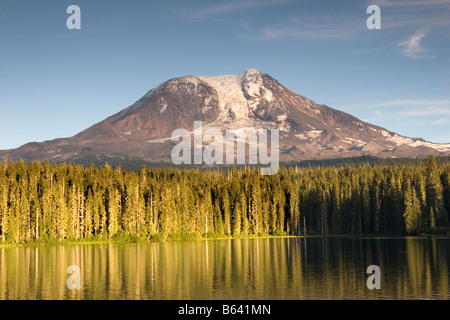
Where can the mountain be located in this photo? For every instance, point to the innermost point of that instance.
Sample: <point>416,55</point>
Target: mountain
<point>251,99</point>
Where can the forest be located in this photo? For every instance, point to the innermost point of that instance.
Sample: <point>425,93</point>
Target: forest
<point>46,202</point>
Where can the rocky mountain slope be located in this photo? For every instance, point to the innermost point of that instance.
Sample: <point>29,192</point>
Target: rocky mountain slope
<point>247,100</point>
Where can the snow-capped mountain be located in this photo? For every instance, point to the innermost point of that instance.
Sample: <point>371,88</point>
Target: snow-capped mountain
<point>247,100</point>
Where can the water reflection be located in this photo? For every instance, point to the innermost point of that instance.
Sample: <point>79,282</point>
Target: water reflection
<point>266,268</point>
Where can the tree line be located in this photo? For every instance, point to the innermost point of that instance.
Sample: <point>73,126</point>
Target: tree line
<point>47,202</point>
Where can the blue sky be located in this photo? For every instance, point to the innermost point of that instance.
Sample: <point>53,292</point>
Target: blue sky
<point>55,82</point>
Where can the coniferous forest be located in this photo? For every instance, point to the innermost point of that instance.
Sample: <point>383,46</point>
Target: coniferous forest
<point>50,202</point>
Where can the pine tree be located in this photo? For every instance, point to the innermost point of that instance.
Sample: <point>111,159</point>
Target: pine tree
<point>113,211</point>
<point>335,197</point>
<point>62,212</point>
<point>445,178</point>
<point>294,213</point>
<point>167,213</point>
<point>375,201</point>
<point>255,210</point>
<point>235,211</point>
<point>47,226</point>
<point>273,215</point>
<point>244,214</point>
<point>88,229</point>
<point>13,218</point>
<point>226,211</point>
<point>412,209</point>
<point>419,186</point>
<point>218,220</point>
<point>74,212</point>
<point>434,200</point>
<point>207,213</point>
<point>236,219</point>
<point>152,213</point>
<point>134,210</point>
<point>141,229</point>
<point>366,206</point>
<point>4,186</point>
<point>281,201</point>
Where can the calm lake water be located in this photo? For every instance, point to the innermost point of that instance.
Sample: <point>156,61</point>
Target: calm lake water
<point>266,268</point>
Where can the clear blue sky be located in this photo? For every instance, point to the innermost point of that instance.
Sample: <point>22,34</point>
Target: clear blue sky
<point>55,82</point>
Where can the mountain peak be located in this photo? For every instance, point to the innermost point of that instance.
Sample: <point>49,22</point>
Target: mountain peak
<point>252,72</point>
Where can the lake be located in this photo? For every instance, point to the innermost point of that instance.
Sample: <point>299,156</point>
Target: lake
<point>259,268</point>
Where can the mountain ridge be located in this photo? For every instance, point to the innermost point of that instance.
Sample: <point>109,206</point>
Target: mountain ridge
<point>250,99</point>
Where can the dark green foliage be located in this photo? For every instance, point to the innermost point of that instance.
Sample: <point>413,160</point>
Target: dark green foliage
<point>66,202</point>
<point>135,164</point>
<point>434,196</point>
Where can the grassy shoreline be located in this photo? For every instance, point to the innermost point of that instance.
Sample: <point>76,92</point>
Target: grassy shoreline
<point>131,240</point>
<point>41,243</point>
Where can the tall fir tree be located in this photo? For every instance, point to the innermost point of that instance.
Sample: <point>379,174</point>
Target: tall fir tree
<point>434,199</point>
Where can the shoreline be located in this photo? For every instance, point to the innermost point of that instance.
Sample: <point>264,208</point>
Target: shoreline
<point>66,242</point>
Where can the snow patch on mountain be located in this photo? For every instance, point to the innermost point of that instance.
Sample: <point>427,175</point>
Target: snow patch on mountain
<point>163,105</point>
<point>400,140</point>
<point>436,146</point>
<point>231,97</point>
<point>240,93</point>
<point>268,95</point>
<point>253,83</point>
<point>163,108</point>
<point>163,140</point>
<point>207,105</point>
<point>359,143</point>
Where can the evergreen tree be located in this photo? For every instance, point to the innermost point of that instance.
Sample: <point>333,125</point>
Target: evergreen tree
<point>412,209</point>
<point>88,229</point>
<point>114,209</point>
<point>167,213</point>
<point>226,211</point>
<point>4,186</point>
<point>62,212</point>
<point>434,200</point>
<point>244,214</point>
<point>255,209</point>
<point>445,179</point>
<point>218,220</point>
<point>294,213</point>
